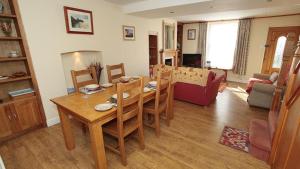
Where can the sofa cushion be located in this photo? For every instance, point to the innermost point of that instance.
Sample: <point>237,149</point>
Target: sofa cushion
<point>211,77</point>
<point>259,134</point>
<point>273,77</point>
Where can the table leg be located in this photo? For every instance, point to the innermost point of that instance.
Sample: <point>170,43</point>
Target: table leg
<point>67,129</point>
<point>97,144</point>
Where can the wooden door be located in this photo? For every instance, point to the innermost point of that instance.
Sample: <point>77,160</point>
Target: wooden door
<point>285,150</point>
<point>26,113</point>
<point>276,40</point>
<point>288,152</point>
<point>153,50</point>
<point>5,122</point>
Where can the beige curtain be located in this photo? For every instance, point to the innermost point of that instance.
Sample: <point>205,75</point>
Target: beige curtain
<point>241,50</point>
<point>202,41</point>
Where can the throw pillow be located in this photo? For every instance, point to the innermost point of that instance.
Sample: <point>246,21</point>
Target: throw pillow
<point>273,77</point>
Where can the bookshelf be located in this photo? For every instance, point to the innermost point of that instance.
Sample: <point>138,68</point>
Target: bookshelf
<point>17,114</point>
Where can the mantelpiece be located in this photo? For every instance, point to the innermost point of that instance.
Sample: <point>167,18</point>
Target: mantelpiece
<point>167,55</point>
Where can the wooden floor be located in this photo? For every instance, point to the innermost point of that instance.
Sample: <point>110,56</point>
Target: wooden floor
<point>190,142</point>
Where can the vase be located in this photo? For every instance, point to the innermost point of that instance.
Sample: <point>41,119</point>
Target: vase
<point>6,28</point>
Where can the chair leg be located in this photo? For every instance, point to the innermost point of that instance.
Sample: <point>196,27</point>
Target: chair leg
<point>168,118</point>
<point>141,137</point>
<point>122,151</point>
<point>157,125</point>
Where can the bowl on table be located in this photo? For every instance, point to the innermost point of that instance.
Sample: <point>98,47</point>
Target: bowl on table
<point>92,87</point>
<point>106,85</point>
<point>125,79</point>
<point>103,107</point>
<point>153,83</point>
<point>125,96</point>
<point>147,89</point>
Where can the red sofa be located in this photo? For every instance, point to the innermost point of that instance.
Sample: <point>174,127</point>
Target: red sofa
<point>201,95</point>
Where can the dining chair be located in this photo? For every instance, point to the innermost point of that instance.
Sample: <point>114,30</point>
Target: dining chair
<point>129,117</point>
<point>114,72</point>
<point>91,75</point>
<point>80,73</point>
<point>159,107</point>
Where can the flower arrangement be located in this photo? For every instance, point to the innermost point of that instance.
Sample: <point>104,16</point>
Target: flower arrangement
<point>6,27</point>
<point>98,67</point>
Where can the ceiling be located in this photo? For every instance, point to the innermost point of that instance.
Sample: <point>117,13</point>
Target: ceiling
<point>192,10</point>
<point>123,2</point>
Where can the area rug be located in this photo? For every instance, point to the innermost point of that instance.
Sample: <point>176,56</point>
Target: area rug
<point>222,87</point>
<point>235,138</point>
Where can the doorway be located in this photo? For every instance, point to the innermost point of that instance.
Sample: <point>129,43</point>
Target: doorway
<point>153,50</point>
<point>274,47</point>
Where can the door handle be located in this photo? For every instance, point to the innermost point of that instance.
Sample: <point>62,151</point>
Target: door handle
<point>15,116</point>
<point>9,117</point>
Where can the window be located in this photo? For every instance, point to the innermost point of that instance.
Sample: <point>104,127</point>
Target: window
<point>279,52</point>
<point>221,43</point>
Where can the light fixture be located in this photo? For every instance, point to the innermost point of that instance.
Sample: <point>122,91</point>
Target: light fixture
<point>172,12</point>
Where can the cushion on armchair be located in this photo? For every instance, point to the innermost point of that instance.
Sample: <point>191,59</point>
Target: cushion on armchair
<point>273,77</point>
<point>264,88</point>
<point>255,80</point>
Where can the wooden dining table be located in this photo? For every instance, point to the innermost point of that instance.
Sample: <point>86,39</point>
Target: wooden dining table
<point>81,107</point>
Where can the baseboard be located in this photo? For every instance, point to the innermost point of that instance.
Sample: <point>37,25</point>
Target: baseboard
<point>238,80</point>
<point>53,121</point>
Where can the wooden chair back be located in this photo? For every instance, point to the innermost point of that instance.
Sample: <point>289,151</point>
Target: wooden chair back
<point>163,88</point>
<point>132,106</point>
<point>75,74</point>
<point>111,68</point>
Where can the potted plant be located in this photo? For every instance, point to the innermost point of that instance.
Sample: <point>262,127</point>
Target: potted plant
<point>98,68</point>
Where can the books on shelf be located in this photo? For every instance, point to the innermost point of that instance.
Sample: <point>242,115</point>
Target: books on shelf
<point>18,94</point>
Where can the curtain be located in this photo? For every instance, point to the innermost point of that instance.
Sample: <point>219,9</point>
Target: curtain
<point>202,41</point>
<point>241,50</point>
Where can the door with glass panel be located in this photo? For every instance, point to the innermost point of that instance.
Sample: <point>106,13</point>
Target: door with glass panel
<point>274,47</point>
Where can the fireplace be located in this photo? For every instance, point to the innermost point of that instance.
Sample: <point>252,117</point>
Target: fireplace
<point>191,60</point>
<point>168,61</point>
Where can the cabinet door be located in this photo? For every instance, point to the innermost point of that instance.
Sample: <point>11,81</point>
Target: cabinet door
<point>26,113</point>
<point>5,122</point>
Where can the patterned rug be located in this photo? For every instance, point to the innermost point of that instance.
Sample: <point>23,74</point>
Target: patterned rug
<point>235,138</point>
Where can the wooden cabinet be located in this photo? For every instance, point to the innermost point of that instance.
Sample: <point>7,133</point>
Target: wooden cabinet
<point>5,125</point>
<point>18,117</point>
<point>22,115</point>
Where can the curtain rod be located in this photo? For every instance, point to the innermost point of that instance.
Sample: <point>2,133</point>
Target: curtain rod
<point>260,17</point>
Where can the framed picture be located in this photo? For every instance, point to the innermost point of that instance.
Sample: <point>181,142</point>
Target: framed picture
<point>128,32</point>
<point>191,34</point>
<point>78,21</point>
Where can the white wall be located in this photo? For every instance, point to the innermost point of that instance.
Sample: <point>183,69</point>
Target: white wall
<point>46,34</point>
<point>190,46</point>
<point>258,38</point>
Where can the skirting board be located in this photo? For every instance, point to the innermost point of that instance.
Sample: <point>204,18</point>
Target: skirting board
<point>53,121</point>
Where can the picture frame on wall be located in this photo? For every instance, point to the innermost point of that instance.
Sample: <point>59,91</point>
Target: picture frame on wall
<point>191,34</point>
<point>128,32</point>
<point>78,21</point>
